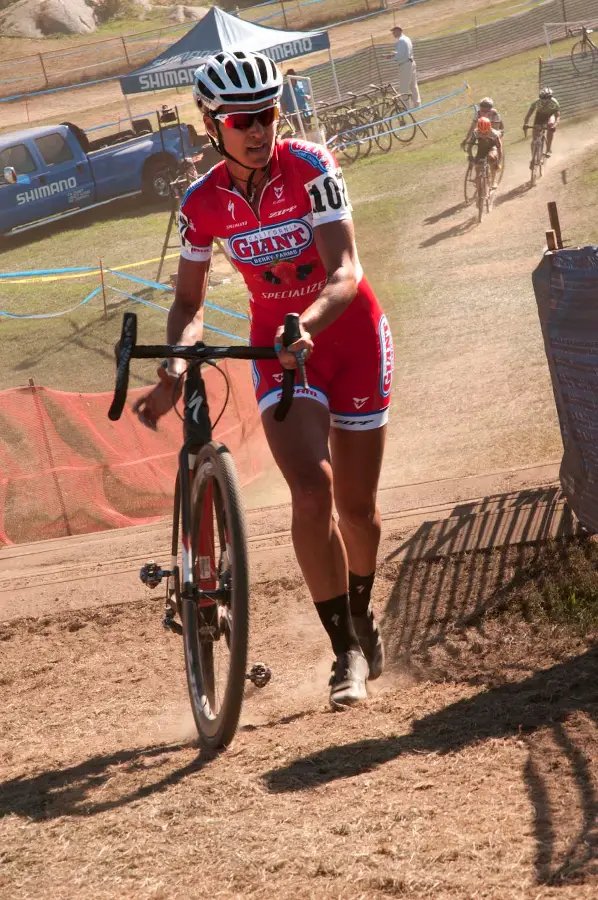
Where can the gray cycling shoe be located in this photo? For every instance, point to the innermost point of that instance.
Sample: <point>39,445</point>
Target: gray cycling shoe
<point>370,641</point>
<point>347,682</point>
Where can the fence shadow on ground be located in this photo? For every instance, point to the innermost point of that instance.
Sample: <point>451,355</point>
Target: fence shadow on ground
<point>446,578</point>
<point>444,582</point>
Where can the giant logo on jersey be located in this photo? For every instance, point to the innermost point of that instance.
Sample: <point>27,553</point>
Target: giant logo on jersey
<point>272,243</point>
<point>387,356</point>
<point>318,157</point>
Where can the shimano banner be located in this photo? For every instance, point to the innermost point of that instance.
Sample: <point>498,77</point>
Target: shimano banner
<point>566,289</point>
<point>219,31</point>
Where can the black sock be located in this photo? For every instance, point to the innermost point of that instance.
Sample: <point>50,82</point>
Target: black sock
<point>336,618</point>
<point>360,591</point>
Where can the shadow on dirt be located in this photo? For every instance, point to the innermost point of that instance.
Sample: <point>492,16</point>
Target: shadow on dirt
<point>453,231</point>
<point>543,701</point>
<point>446,213</point>
<point>66,792</point>
<point>443,584</point>
<point>443,591</point>
<point>520,191</point>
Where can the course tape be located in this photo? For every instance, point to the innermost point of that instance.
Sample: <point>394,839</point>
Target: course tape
<point>166,287</point>
<point>55,315</point>
<point>227,334</point>
<point>83,272</point>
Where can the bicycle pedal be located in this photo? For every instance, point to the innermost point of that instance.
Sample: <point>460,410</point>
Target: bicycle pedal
<point>151,574</point>
<point>259,675</point>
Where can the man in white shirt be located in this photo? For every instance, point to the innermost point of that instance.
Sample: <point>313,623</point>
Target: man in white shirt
<point>407,71</point>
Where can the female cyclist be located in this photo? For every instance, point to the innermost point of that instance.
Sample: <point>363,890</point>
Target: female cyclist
<point>282,211</point>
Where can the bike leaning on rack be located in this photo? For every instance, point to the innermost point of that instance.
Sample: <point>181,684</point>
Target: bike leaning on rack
<point>584,53</point>
<point>209,591</point>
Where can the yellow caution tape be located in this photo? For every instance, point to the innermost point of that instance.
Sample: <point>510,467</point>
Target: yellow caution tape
<point>37,279</point>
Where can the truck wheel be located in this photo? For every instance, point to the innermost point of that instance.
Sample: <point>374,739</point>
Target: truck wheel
<point>156,180</point>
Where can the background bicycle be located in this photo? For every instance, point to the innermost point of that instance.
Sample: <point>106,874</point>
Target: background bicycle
<point>583,53</point>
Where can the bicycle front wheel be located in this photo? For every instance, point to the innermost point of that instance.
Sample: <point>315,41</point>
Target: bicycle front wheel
<point>470,188</point>
<point>216,632</point>
<point>582,57</point>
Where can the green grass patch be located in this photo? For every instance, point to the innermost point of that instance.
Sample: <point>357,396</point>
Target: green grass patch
<point>560,586</point>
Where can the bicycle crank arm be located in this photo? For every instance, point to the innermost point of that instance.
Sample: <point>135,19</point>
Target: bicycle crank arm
<point>259,675</point>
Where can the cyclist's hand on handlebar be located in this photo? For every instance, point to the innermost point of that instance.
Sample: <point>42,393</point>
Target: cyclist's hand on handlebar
<point>288,356</point>
<point>159,401</point>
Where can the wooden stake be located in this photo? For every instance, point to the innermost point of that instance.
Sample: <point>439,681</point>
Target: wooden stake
<point>103,288</point>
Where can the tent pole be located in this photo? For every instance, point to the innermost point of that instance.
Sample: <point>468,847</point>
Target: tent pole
<point>334,78</point>
<point>127,104</point>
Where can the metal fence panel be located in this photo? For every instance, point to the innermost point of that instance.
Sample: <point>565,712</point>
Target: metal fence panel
<point>576,93</point>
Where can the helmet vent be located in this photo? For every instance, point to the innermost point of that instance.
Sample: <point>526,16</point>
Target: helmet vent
<point>249,74</point>
<point>231,71</point>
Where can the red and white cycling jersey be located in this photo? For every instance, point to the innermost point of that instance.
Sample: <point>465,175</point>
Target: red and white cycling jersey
<point>275,251</point>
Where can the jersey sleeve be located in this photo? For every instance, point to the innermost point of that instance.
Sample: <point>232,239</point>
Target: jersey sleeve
<point>323,180</point>
<point>194,231</point>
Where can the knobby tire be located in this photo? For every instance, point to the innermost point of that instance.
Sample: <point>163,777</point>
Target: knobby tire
<point>217,722</point>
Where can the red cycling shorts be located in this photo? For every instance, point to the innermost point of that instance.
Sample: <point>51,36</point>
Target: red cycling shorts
<point>350,370</point>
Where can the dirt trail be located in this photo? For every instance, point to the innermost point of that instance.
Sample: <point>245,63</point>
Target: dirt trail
<point>470,772</point>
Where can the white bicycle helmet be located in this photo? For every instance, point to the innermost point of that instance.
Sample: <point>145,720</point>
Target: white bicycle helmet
<point>487,102</point>
<point>236,77</point>
<point>546,93</point>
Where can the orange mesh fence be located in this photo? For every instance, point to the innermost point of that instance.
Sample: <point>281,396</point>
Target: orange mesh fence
<point>65,468</point>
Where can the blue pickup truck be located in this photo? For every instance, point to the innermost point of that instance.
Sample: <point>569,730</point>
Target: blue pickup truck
<point>55,170</point>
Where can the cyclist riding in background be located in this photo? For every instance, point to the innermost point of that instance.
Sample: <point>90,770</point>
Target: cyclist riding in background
<point>488,144</point>
<point>282,211</point>
<point>547,112</point>
<point>485,110</point>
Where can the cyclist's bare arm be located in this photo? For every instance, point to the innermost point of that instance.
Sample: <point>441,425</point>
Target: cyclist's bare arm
<point>499,147</point>
<point>185,318</point>
<point>530,113</point>
<point>335,243</point>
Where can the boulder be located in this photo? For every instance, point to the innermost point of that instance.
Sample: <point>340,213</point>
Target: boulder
<point>36,18</point>
<point>66,17</point>
<point>187,13</point>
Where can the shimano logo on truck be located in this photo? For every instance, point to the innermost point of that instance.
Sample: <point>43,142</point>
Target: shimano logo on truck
<point>46,190</point>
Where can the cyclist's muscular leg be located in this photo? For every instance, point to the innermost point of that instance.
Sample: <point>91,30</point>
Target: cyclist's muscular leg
<point>300,447</point>
<point>550,130</point>
<point>356,463</point>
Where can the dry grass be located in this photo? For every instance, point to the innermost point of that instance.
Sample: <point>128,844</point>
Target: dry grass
<point>470,773</point>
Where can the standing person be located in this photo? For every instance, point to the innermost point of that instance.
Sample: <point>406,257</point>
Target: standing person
<point>407,70</point>
<point>299,89</point>
<point>281,207</point>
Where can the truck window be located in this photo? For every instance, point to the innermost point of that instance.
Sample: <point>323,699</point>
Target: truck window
<point>17,158</point>
<point>54,149</point>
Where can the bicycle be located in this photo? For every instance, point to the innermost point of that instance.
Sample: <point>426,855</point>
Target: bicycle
<point>538,152</point>
<point>483,193</point>
<point>584,52</point>
<point>471,185</point>
<point>211,597</point>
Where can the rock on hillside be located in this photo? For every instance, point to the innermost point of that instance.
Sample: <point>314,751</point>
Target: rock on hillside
<point>188,13</point>
<point>36,18</point>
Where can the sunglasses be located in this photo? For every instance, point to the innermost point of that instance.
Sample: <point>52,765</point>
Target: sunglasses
<point>242,121</point>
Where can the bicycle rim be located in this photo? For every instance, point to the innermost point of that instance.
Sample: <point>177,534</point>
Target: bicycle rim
<point>353,149</point>
<point>582,57</point>
<point>406,135</point>
<point>469,187</point>
<point>216,668</point>
<point>383,137</point>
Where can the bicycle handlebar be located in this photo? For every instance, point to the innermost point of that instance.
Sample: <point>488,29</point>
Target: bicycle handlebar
<point>128,349</point>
